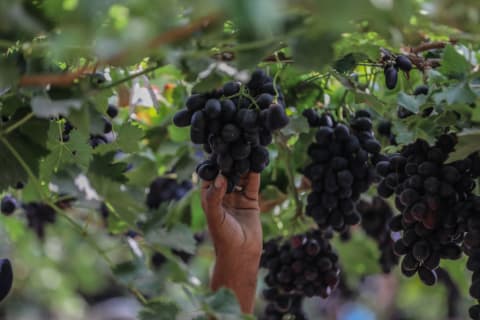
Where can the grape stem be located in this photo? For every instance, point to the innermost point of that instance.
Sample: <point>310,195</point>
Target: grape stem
<point>18,123</point>
<point>275,78</point>
<point>249,97</point>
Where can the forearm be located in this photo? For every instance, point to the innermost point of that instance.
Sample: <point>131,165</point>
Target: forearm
<point>238,273</point>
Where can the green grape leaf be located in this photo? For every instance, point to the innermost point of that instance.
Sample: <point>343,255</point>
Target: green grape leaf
<point>128,138</point>
<point>76,151</point>
<point>457,93</point>
<point>105,165</point>
<point>179,237</point>
<point>411,103</point>
<point>349,61</point>
<point>125,206</point>
<point>453,63</point>
<point>222,303</point>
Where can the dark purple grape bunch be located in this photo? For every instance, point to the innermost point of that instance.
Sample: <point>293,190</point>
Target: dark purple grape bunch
<point>8,205</point>
<point>469,215</point>
<point>38,216</point>
<point>392,64</point>
<point>281,304</point>
<point>376,216</point>
<point>235,124</point>
<point>342,168</point>
<point>305,265</point>
<point>163,189</point>
<point>426,192</point>
<point>403,113</point>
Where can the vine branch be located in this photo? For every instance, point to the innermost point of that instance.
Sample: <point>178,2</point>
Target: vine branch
<point>430,45</point>
<point>170,36</point>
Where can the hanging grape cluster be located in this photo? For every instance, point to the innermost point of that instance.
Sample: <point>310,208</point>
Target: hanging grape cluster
<point>376,216</point>
<point>426,191</point>
<point>234,124</point>
<point>305,265</point>
<point>342,168</point>
<point>392,64</point>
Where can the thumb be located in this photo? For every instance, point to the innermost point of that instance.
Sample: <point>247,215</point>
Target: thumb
<point>212,197</point>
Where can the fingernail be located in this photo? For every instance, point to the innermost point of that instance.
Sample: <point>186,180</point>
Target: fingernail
<point>218,182</point>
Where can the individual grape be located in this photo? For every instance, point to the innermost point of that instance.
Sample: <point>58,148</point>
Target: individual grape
<point>230,133</point>
<point>6,278</point>
<point>247,118</point>
<point>8,205</point>
<point>428,277</point>
<point>264,100</point>
<point>198,128</point>
<point>195,102</point>
<point>228,110</point>
<point>213,108</point>
<point>403,63</point>
<point>391,77</point>
<point>421,89</point>
<point>240,150</point>
<point>231,88</point>
<point>312,117</point>
<point>277,117</point>
<point>182,118</point>
<point>259,159</point>
<point>207,170</point>
<point>112,111</point>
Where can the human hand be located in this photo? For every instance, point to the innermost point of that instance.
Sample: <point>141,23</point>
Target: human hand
<point>234,224</point>
<point>234,219</point>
